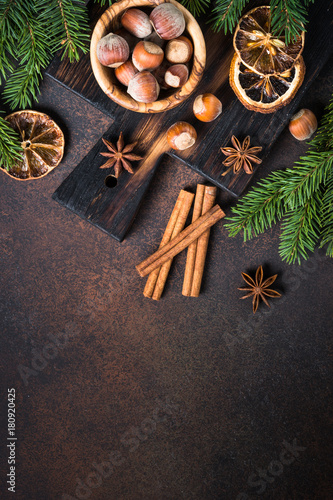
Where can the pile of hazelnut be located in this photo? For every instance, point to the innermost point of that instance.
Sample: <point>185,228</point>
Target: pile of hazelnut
<point>158,60</point>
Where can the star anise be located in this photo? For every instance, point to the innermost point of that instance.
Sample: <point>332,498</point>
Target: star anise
<point>119,155</point>
<point>259,288</point>
<point>241,156</point>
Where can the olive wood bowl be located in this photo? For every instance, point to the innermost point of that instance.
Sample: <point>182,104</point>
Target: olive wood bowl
<point>109,22</point>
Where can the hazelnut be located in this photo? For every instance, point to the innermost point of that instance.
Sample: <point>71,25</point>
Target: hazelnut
<point>143,87</point>
<point>147,55</point>
<point>137,23</point>
<point>303,125</point>
<point>167,21</point>
<point>179,50</point>
<point>112,50</point>
<point>176,75</point>
<point>181,135</point>
<point>207,107</point>
<point>125,72</point>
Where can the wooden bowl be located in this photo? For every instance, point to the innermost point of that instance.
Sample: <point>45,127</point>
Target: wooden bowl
<point>109,22</point>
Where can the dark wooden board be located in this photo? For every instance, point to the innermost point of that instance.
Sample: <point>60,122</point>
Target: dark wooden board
<point>113,210</point>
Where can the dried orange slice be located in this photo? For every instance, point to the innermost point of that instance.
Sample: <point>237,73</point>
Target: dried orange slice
<point>42,144</point>
<point>261,51</point>
<point>265,94</point>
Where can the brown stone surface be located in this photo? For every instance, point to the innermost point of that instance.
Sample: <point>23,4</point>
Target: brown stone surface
<point>190,398</point>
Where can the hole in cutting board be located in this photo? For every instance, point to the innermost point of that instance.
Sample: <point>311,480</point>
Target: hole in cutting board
<point>110,181</point>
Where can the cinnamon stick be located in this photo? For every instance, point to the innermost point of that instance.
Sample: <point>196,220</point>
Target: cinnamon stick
<point>192,249</point>
<point>202,244</point>
<point>179,226</point>
<point>180,242</point>
<point>152,278</point>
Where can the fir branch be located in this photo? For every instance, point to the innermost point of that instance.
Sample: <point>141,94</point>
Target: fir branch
<point>312,170</point>
<point>307,176</point>
<point>260,209</point>
<point>324,138</point>
<point>226,14</point>
<point>30,35</point>
<point>10,145</point>
<point>7,32</point>
<point>301,230</point>
<point>327,216</point>
<point>196,7</point>
<point>103,2</point>
<point>67,20</point>
<point>288,18</point>
<point>302,196</point>
<point>32,51</point>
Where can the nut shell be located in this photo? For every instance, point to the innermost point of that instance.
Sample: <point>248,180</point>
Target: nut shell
<point>137,23</point>
<point>147,56</point>
<point>167,21</point>
<point>179,50</point>
<point>112,50</point>
<point>207,107</point>
<point>125,72</point>
<point>143,87</point>
<point>303,125</point>
<point>181,135</point>
<point>176,76</point>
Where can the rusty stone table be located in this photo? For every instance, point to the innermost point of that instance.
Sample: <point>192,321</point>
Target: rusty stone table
<point>120,397</point>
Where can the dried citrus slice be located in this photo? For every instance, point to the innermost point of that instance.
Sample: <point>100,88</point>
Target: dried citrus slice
<point>265,94</point>
<point>42,144</point>
<point>261,51</point>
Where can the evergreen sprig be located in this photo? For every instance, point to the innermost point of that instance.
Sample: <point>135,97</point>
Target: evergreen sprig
<point>327,216</point>
<point>31,50</point>
<point>196,7</point>
<point>288,18</point>
<point>7,24</point>
<point>226,14</point>
<point>10,145</point>
<point>68,22</point>
<point>31,31</point>
<point>302,197</point>
<point>103,2</point>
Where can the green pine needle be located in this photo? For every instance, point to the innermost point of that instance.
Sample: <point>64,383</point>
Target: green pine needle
<point>327,216</point>
<point>226,14</point>
<point>30,34</point>
<point>307,176</point>
<point>288,18</point>
<point>300,231</point>
<point>196,7</point>
<point>260,209</point>
<point>8,23</point>
<point>10,145</point>
<point>68,22</point>
<point>103,2</point>
<point>301,196</point>
<point>32,51</point>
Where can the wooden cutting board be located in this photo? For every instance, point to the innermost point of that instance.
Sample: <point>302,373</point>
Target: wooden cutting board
<point>113,209</point>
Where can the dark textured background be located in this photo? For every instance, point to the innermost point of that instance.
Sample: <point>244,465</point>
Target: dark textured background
<point>233,386</point>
